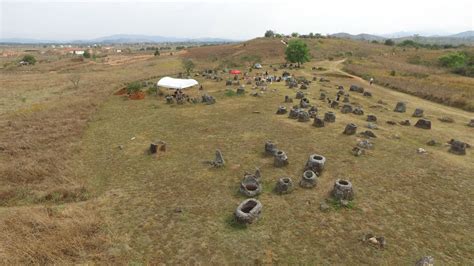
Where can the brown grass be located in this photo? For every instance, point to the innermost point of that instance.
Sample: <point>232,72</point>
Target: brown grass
<point>425,80</point>
<point>421,207</point>
<point>42,120</point>
<point>70,195</point>
<point>51,235</point>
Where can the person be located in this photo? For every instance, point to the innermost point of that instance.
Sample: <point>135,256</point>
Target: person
<point>371,81</point>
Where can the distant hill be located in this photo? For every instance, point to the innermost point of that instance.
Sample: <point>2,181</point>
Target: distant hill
<point>121,38</point>
<point>466,37</point>
<point>362,36</point>
<point>465,34</point>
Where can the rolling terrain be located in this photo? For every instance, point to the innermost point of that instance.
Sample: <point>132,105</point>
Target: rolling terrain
<point>79,187</point>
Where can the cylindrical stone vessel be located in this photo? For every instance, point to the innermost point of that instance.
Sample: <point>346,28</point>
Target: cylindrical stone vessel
<point>248,211</point>
<point>343,190</point>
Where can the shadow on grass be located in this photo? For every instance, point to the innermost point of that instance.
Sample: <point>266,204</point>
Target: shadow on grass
<point>232,223</point>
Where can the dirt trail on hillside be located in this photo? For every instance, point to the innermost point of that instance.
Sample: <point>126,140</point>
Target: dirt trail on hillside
<point>335,67</point>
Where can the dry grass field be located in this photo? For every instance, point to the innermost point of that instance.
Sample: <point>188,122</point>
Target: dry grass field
<point>416,70</point>
<point>69,194</point>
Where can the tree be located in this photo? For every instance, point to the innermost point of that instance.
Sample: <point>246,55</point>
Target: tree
<point>157,52</point>
<point>29,59</point>
<point>311,35</point>
<point>389,42</point>
<point>188,65</point>
<point>86,54</point>
<point>295,34</point>
<point>297,52</point>
<point>269,34</point>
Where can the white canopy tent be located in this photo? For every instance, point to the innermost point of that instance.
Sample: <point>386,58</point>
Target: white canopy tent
<point>179,84</point>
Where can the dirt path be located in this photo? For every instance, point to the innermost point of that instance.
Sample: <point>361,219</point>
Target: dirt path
<point>335,67</point>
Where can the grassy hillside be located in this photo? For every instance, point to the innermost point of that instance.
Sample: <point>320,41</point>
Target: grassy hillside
<point>411,70</point>
<point>71,195</point>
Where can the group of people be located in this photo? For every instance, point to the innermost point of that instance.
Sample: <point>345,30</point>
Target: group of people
<point>180,96</point>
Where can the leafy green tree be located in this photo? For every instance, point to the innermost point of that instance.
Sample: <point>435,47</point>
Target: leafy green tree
<point>295,34</point>
<point>269,34</point>
<point>297,52</point>
<point>157,52</point>
<point>86,54</point>
<point>389,42</point>
<point>188,65</point>
<point>29,59</point>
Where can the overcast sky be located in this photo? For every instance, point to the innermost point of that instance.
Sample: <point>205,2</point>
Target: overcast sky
<point>70,20</point>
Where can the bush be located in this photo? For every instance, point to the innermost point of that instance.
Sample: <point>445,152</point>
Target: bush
<point>157,53</point>
<point>153,90</point>
<point>269,34</point>
<point>86,54</point>
<point>230,93</point>
<point>389,42</point>
<point>461,63</point>
<point>134,87</point>
<point>409,43</point>
<point>453,60</point>
<point>188,65</point>
<point>393,73</point>
<point>29,59</point>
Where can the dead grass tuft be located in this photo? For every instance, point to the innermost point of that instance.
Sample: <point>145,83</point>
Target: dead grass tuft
<point>50,235</point>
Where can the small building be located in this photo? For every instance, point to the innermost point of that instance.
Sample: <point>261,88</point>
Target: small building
<point>118,51</point>
<point>77,52</point>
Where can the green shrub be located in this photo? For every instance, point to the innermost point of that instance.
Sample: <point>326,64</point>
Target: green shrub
<point>29,59</point>
<point>409,43</point>
<point>134,87</point>
<point>389,42</point>
<point>230,93</point>
<point>393,73</point>
<point>188,65</point>
<point>153,90</point>
<point>86,54</point>
<point>453,60</point>
<point>269,34</point>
